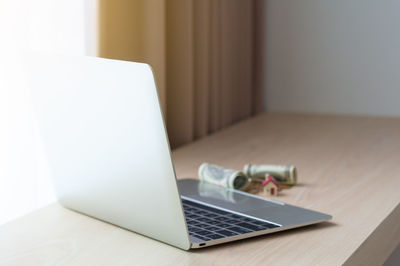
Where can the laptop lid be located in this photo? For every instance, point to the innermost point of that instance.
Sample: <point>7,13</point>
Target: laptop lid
<point>103,133</point>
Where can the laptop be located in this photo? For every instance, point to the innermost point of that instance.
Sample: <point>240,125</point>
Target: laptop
<point>104,136</point>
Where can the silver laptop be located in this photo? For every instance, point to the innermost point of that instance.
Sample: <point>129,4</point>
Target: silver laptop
<point>104,136</point>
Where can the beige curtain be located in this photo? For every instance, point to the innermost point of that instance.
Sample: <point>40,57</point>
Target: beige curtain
<point>206,55</point>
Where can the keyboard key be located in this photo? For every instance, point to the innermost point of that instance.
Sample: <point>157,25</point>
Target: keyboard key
<point>215,236</point>
<point>191,222</point>
<point>251,226</point>
<point>203,232</point>
<point>211,215</point>
<point>222,218</point>
<point>213,222</point>
<point>204,220</point>
<point>221,224</point>
<point>201,237</point>
<point>192,216</point>
<point>216,223</point>
<point>226,233</point>
<point>239,230</point>
<point>211,228</point>
<point>233,221</point>
<point>201,225</point>
<point>200,212</point>
<point>194,229</point>
<point>224,225</point>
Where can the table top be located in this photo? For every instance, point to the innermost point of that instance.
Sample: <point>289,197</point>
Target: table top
<point>347,167</point>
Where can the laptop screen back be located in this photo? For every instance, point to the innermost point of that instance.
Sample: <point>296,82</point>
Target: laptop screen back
<point>103,133</point>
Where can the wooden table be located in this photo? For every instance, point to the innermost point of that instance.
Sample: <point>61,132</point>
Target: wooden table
<point>348,167</point>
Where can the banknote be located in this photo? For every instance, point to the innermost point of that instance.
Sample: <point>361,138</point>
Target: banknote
<point>222,176</point>
<point>284,174</point>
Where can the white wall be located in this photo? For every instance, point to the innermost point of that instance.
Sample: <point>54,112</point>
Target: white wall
<point>339,56</point>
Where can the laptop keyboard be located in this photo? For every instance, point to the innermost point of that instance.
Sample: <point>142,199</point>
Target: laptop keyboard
<point>207,223</point>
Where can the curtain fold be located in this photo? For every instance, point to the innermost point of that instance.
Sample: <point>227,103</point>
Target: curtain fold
<point>206,55</point>
<point>134,30</point>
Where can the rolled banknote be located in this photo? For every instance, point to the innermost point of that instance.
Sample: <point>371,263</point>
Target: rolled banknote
<point>284,174</point>
<point>221,176</point>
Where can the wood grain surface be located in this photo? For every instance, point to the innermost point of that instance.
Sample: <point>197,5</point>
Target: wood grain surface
<point>347,167</point>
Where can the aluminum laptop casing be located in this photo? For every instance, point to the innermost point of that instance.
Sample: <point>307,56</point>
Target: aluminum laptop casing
<point>103,133</point>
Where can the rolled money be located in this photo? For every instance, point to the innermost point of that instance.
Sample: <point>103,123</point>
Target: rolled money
<point>284,174</point>
<point>221,176</point>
